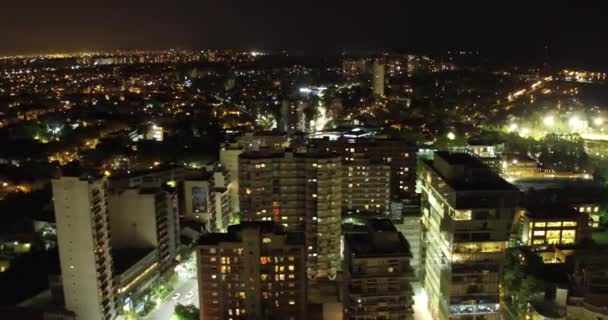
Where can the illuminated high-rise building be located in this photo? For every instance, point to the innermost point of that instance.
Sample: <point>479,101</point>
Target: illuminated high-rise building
<point>83,237</point>
<point>399,155</point>
<point>366,186</point>
<point>467,214</point>
<point>301,191</point>
<point>378,71</point>
<point>254,271</point>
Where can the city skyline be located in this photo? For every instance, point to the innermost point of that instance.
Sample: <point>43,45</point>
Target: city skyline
<point>507,31</point>
<point>391,160</point>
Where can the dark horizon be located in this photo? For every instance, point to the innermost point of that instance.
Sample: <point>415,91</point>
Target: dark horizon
<point>516,30</point>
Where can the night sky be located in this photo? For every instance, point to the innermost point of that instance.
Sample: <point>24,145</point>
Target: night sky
<point>573,29</point>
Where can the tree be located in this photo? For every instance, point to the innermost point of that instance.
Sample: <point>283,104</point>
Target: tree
<point>186,312</point>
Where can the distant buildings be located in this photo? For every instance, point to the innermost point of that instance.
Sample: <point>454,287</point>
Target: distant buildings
<point>83,235</point>
<point>378,82</point>
<point>255,271</point>
<point>292,116</point>
<point>553,225</point>
<point>467,213</point>
<point>377,273</point>
<point>399,155</point>
<point>154,132</point>
<point>302,192</point>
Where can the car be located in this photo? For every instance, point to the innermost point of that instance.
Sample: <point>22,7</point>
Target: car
<point>176,296</point>
<point>190,294</point>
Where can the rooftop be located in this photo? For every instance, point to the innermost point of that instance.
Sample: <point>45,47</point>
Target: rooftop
<point>273,153</point>
<point>234,233</point>
<point>552,211</point>
<point>463,172</point>
<point>381,240</point>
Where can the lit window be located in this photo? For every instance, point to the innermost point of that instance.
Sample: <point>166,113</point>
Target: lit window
<point>460,215</point>
<point>569,224</point>
<point>291,267</point>
<point>266,240</point>
<point>292,302</point>
<point>539,232</point>
<point>554,224</point>
<point>391,269</point>
<point>540,224</point>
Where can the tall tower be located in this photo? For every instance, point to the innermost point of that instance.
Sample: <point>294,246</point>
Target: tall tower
<point>378,78</point>
<point>83,235</point>
<point>301,191</point>
<point>467,213</point>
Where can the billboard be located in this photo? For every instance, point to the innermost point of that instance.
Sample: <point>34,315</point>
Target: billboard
<point>199,199</point>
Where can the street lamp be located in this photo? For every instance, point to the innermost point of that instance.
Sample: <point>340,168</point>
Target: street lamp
<point>513,126</point>
<point>598,121</point>
<point>451,136</point>
<point>573,122</point>
<point>549,121</point>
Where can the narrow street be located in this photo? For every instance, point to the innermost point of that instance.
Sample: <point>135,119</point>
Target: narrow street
<point>165,310</point>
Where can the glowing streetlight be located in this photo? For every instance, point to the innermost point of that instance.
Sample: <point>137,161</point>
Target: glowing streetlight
<point>549,121</point>
<point>451,136</point>
<point>598,121</point>
<point>573,122</point>
<point>513,126</point>
<point>524,132</point>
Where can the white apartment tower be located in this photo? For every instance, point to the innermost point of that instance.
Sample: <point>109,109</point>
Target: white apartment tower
<point>83,235</point>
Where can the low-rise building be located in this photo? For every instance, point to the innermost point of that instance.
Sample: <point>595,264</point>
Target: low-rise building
<point>553,225</point>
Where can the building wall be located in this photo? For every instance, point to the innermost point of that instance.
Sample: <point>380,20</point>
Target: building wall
<point>551,231</point>
<point>258,278</point>
<point>301,192</point>
<point>366,187</point>
<point>378,79</point>
<point>144,219</point>
<point>84,247</point>
<point>229,158</point>
<point>133,220</point>
<point>196,198</point>
<point>411,228</point>
<point>399,155</point>
<point>466,237</point>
